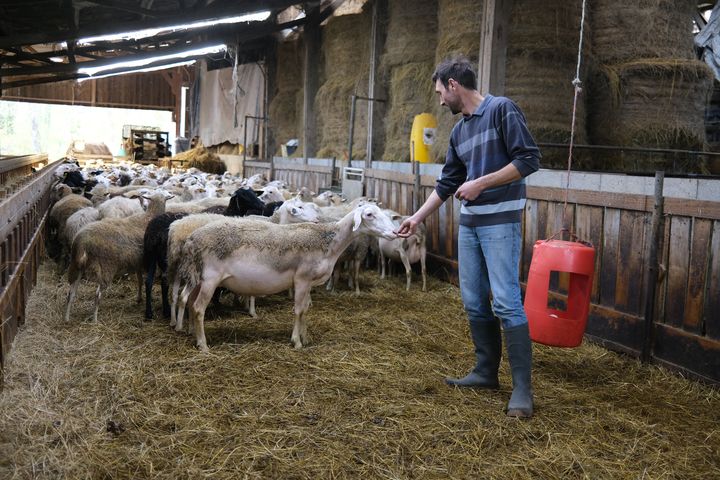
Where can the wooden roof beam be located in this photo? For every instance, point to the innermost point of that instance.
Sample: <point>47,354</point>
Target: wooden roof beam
<point>124,7</point>
<point>181,17</point>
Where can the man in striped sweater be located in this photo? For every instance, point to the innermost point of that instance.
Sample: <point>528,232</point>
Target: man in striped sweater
<point>491,152</point>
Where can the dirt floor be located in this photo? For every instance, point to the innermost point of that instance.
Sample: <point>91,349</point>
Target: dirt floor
<point>123,398</point>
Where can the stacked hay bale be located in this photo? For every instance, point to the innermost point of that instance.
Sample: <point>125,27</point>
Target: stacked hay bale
<point>459,30</point>
<point>648,89</point>
<point>407,65</point>
<point>286,115</point>
<point>346,53</point>
<point>541,64</point>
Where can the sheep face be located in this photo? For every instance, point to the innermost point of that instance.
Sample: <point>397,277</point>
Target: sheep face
<point>302,212</point>
<point>370,219</point>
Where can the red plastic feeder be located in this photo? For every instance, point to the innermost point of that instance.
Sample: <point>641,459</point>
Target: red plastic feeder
<point>559,328</point>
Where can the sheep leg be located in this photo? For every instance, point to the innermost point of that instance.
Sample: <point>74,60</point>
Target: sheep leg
<point>382,265</point>
<point>330,285</point>
<point>422,265</point>
<point>164,287</point>
<point>181,307</point>
<point>175,294</point>
<point>149,280</point>
<point>302,302</point>
<point>204,294</point>
<point>98,295</point>
<point>356,276</point>
<point>408,269</point>
<point>71,297</point>
<point>251,307</point>
<point>140,286</point>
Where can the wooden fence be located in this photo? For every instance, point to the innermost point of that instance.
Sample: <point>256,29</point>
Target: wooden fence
<point>23,215</point>
<point>296,175</point>
<point>685,331</point>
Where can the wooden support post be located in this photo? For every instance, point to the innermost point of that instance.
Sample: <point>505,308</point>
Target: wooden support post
<point>493,46</point>
<point>656,228</point>
<point>310,83</point>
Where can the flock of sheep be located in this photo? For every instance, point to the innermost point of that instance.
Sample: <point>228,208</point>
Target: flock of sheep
<point>206,231</point>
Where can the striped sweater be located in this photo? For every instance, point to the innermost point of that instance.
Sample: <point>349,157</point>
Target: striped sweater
<point>493,136</point>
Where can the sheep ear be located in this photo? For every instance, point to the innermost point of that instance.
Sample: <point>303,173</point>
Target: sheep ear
<point>357,219</point>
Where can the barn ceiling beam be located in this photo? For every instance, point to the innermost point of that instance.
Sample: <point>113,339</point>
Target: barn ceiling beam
<point>124,7</point>
<point>104,62</point>
<point>180,17</point>
<point>219,33</point>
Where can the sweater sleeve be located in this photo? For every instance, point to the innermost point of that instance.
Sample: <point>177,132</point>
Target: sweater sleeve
<point>521,147</point>
<point>453,173</point>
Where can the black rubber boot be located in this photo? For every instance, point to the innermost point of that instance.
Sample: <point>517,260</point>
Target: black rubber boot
<point>488,349</point>
<point>519,349</point>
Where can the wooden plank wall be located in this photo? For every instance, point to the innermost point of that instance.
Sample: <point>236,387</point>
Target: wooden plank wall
<point>21,250</point>
<point>140,90</point>
<point>295,175</point>
<point>687,319</point>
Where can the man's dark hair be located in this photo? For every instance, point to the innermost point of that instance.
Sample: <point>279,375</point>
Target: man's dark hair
<point>459,69</point>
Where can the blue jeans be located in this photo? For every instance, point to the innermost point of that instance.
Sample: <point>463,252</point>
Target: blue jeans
<point>489,260</point>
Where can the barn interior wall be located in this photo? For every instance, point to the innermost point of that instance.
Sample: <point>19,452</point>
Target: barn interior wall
<point>141,90</point>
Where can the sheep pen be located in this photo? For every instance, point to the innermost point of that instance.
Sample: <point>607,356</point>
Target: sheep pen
<point>123,398</point>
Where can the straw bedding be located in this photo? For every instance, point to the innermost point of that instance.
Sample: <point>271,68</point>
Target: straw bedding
<point>126,399</point>
<point>202,158</point>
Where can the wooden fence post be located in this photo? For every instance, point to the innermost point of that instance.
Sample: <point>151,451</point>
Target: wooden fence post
<point>657,219</point>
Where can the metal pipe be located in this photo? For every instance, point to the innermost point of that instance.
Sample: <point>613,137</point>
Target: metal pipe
<point>264,119</point>
<point>352,127</point>
<point>629,149</point>
<point>371,83</point>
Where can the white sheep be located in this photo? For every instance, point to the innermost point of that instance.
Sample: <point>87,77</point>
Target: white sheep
<point>254,258</point>
<point>180,230</point>
<point>406,250</point>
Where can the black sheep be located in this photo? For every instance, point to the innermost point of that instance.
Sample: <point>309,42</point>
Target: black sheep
<point>154,255</point>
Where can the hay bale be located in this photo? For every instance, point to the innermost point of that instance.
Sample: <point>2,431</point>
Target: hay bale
<point>651,103</point>
<point>346,55</point>
<point>459,29</point>
<point>201,158</point>
<point>411,94</point>
<point>624,31</point>
<point>408,64</point>
<point>412,28</point>
<point>542,61</point>
<point>285,116</point>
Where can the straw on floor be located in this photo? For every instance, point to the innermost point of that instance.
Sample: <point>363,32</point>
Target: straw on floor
<point>121,398</point>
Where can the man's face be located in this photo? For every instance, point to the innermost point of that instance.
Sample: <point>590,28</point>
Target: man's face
<point>449,96</point>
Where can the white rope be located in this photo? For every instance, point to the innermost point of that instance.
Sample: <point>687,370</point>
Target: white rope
<point>577,85</point>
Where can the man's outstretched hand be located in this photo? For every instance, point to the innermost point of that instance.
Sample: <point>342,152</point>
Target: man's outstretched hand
<point>407,228</point>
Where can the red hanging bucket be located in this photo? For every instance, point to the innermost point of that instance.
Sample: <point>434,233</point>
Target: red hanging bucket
<point>559,328</point>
